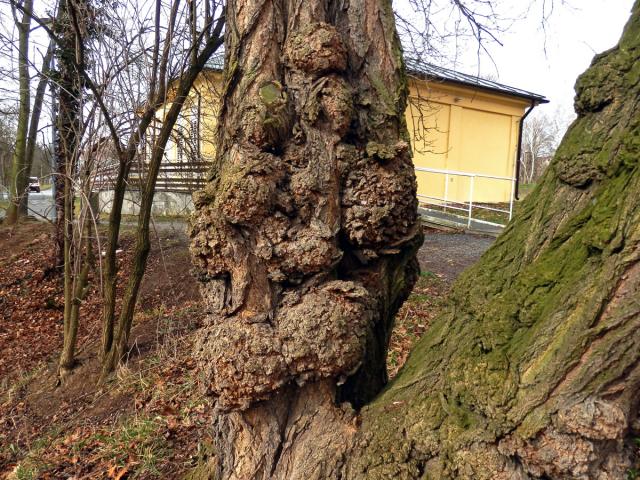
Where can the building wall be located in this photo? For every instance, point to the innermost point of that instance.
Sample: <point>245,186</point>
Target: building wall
<point>453,128</point>
<point>197,121</point>
<point>461,129</point>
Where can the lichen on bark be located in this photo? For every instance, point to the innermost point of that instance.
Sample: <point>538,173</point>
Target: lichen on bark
<point>305,236</point>
<point>533,370</point>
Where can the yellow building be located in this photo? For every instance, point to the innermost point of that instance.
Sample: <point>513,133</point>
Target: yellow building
<point>191,147</point>
<point>466,136</point>
<point>465,131</point>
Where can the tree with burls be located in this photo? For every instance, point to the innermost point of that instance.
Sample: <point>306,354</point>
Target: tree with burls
<point>304,240</point>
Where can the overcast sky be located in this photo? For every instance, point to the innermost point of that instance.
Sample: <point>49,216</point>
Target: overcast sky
<point>545,61</point>
<point>573,34</point>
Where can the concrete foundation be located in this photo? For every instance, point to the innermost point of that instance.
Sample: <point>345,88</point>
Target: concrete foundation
<point>169,204</point>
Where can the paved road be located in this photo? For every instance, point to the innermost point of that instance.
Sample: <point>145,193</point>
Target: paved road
<point>41,205</point>
<point>448,254</point>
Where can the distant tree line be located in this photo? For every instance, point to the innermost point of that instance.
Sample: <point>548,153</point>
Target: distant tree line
<point>540,138</point>
<point>41,167</point>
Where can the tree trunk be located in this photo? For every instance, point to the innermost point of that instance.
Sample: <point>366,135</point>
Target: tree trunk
<point>305,236</point>
<point>18,181</point>
<point>60,173</point>
<point>78,275</point>
<point>38,100</point>
<point>116,337</point>
<point>110,268</point>
<point>533,369</point>
<point>68,118</point>
<point>68,92</point>
<point>70,329</point>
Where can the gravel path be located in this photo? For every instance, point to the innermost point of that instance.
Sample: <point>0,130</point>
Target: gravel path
<point>448,254</point>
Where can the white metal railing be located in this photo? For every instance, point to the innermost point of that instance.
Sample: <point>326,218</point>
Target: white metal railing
<point>469,205</point>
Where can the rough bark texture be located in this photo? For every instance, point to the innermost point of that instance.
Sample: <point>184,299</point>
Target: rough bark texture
<point>533,371</point>
<point>306,233</point>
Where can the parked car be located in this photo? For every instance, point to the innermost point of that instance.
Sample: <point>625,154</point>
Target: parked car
<point>34,184</point>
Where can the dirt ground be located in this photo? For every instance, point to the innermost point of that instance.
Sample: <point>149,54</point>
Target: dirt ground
<point>443,256</point>
<point>150,420</point>
<point>32,300</point>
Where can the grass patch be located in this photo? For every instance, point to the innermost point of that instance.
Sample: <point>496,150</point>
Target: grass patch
<point>419,298</point>
<point>32,463</point>
<point>427,274</point>
<point>138,444</point>
<point>11,388</point>
<point>24,472</point>
<point>491,216</point>
<point>477,213</point>
<point>161,421</point>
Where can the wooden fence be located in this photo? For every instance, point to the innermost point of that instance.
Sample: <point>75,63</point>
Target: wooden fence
<point>176,177</point>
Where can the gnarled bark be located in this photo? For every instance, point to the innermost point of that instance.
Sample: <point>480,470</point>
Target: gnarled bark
<point>533,370</point>
<point>306,233</point>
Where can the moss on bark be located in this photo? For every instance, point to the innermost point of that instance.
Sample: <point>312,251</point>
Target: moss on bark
<point>546,323</point>
<point>533,369</point>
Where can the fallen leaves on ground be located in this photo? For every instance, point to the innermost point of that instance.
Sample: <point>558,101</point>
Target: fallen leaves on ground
<point>413,318</point>
<point>32,300</point>
<point>142,423</point>
<point>151,420</point>
<point>160,424</point>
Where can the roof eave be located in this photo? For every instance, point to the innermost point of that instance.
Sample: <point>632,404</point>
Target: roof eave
<point>538,99</point>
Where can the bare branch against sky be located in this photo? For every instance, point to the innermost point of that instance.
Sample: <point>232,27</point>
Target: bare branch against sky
<point>539,45</point>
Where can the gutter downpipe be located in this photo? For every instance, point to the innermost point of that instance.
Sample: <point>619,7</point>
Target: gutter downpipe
<point>519,153</point>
